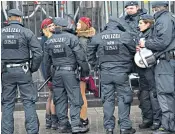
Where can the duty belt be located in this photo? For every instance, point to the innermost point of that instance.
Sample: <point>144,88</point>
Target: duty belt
<point>17,65</point>
<point>65,68</point>
<point>168,55</point>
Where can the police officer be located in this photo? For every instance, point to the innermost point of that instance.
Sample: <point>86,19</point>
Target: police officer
<point>145,25</point>
<point>162,42</point>
<point>132,17</point>
<point>133,13</point>
<point>113,47</point>
<point>16,44</point>
<point>64,53</point>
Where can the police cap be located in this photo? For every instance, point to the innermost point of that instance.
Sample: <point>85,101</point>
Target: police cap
<point>131,3</point>
<point>60,22</point>
<point>146,17</point>
<point>14,12</point>
<point>159,3</point>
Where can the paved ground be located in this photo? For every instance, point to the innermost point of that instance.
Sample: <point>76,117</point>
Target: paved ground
<point>96,121</point>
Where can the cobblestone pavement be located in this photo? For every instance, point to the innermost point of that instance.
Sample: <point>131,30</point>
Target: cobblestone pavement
<point>95,116</point>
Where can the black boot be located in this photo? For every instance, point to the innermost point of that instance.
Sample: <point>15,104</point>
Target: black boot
<point>109,131</point>
<point>155,126</point>
<point>85,122</point>
<point>54,119</point>
<point>48,121</point>
<point>64,128</point>
<point>80,129</point>
<point>144,124</point>
<point>127,131</point>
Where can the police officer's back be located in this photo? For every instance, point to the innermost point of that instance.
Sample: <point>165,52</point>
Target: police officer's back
<point>62,50</point>
<point>115,46</point>
<point>16,44</point>
<point>114,49</point>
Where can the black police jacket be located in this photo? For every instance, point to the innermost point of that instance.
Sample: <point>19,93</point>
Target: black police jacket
<point>19,44</point>
<point>111,46</point>
<point>63,50</point>
<point>163,33</point>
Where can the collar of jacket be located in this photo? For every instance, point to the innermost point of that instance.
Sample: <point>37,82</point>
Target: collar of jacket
<point>159,13</point>
<point>15,22</point>
<point>88,33</point>
<point>139,13</point>
<point>145,33</point>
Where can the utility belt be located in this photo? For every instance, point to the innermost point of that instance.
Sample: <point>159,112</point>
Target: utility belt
<point>17,65</point>
<point>67,68</point>
<point>25,66</point>
<point>168,55</point>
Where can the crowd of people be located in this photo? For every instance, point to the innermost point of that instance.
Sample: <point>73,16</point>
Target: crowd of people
<point>63,52</point>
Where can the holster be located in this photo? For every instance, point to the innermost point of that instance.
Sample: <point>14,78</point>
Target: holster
<point>78,73</point>
<point>168,55</point>
<point>3,67</point>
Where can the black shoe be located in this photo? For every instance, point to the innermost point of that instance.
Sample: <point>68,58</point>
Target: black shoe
<point>162,131</point>
<point>109,131</point>
<point>85,122</point>
<point>80,129</point>
<point>54,126</point>
<point>48,121</point>
<point>155,126</point>
<point>127,131</point>
<point>54,119</point>
<point>145,125</point>
<point>64,128</point>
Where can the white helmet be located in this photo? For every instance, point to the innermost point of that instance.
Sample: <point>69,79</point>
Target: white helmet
<point>145,58</point>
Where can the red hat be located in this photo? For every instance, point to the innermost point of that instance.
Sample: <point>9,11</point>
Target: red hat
<point>86,20</point>
<point>46,22</point>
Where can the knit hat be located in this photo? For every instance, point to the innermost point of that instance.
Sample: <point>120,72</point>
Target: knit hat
<point>46,22</point>
<point>86,20</point>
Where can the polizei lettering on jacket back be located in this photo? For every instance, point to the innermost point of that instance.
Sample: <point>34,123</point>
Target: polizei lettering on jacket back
<point>111,48</point>
<point>110,36</point>
<point>11,30</point>
<point>54,40</point>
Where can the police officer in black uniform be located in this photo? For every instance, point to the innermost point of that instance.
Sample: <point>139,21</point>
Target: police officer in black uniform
<point>155,121</point>
<point>133,13</point>
<point>132,17</point>
<point>162,42</point>
<point>114,48</point>
<point>17,67</point>
<point>65,54</point>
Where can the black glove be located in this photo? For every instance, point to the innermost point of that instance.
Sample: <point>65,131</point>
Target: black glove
<point>34,67</point>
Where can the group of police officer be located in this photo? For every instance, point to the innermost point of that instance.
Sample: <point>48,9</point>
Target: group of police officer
<point>111,52</point>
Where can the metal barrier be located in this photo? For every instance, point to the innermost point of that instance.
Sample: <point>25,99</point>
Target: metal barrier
<point>99,12</point>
